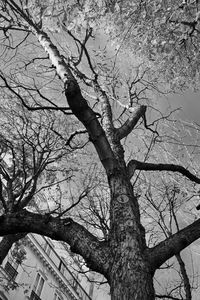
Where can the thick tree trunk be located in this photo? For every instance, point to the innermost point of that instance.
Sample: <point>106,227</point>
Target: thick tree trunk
<point>130,276</point>
<point>7,242</point>
<point>131,279</point>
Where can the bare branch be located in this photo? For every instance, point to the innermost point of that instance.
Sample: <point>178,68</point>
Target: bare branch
<point>186,282</point>
<point>35,108</point>
<point>167,297</point>
<point>144,166</point>
<point>82,195</point>
<point>80,239</point>
<point>129,125</point>
<point>173,245</point>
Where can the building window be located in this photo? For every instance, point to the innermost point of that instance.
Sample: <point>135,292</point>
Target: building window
<point>61,267</point>
<point>11,267</point>
<point>15,259</point>
<point>37,288</point>
<point>10,270</point>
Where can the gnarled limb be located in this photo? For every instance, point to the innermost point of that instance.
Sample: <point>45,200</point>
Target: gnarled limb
<point>144,166</point>
<point>81,241</point>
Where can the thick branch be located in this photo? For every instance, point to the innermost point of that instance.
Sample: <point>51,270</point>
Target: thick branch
<point>129,125</point>
<point>173,245</point>
<point>77,103</point>
<point>80,240</point>
<point>144,166</point>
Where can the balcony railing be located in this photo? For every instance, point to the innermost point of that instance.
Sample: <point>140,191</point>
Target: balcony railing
<point>10,270</point>
<point>34,296</point>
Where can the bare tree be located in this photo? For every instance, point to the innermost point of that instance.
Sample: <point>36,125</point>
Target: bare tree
<point>124,258</point>
<point>29,148</point>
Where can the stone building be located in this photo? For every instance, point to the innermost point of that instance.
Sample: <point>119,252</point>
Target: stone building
<point>36,270</point>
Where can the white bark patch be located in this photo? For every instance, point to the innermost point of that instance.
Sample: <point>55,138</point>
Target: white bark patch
<point>55,57</point>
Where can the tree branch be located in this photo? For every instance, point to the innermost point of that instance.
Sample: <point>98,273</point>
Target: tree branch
<point>144,166</point>
<point>80,239</point>
<point>186,281</point>
<point>77,103</point>
<point>167,297</point>
<point>128,126</point>
<point>173,245</point>
<point>35,108</point>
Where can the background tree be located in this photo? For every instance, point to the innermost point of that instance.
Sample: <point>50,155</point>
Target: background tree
<point>30,151</point>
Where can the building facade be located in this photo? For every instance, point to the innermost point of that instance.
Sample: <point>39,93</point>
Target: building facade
<point>35,270</point>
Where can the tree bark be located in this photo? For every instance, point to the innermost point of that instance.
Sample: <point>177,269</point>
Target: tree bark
<point>81,241</point>
<point>130,275</point>
<point>134,284</point>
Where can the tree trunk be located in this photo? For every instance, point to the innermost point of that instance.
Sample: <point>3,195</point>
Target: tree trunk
<point>131,279</point>
<point>130,275</point>
<point>7,242</point>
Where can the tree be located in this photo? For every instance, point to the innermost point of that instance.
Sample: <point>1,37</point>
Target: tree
<point>27,155</point>
<point>123,258</point>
